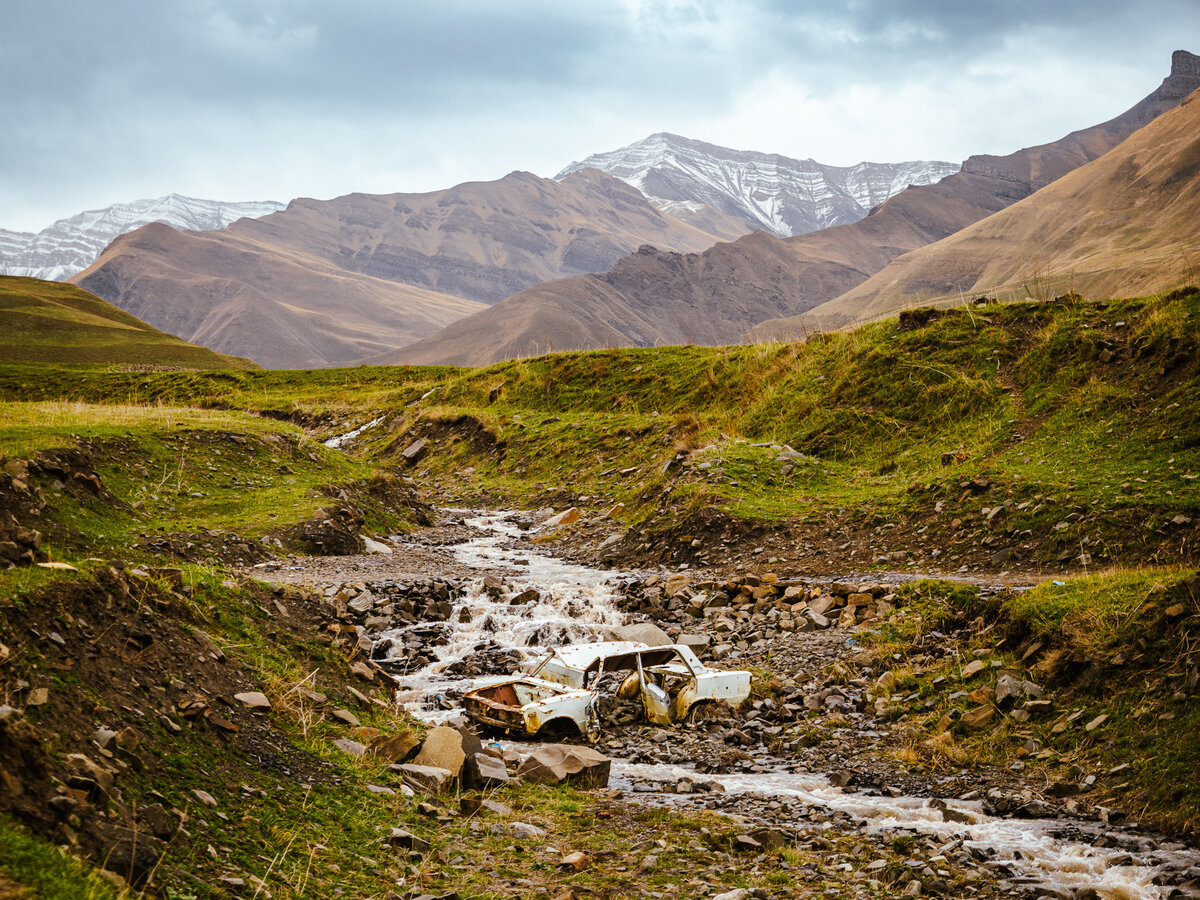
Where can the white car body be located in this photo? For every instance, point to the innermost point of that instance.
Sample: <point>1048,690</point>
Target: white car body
<point>563,689</point>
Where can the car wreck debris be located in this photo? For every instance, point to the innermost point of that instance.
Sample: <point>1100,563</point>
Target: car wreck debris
<point>559,697</point>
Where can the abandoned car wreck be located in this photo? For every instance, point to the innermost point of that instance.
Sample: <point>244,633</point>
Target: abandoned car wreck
<point>559,696</point>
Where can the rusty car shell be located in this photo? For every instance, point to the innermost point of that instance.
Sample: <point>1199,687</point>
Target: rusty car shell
<point>670,681</point>
<point>528,705</point>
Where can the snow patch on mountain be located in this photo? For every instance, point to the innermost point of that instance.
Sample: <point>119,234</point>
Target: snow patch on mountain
<point>776,193</point>
<point>71,245</point>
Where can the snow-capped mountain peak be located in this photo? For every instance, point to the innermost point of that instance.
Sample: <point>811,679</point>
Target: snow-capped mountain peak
<point>71,245</point>
<point>772,192</point>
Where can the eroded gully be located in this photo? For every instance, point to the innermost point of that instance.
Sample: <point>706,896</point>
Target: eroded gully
<point>564,603</point>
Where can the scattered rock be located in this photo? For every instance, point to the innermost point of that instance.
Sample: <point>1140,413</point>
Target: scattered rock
<point>394,748</point>
<point>978,717</point>
<point>486,771</point>
<point>415,451</point>
<point>744,843</point>
<point>525,831</point>
<point>566,517</point>
<point>364,670</point>
<point>208,645</point>
<point>159,822</point>
<point>577,861</point>
<point>205,798</point>
<point>353,748</point>
<point>344,715</point>
<point>131,854</point>
<point>374,546</point>
<point>428,779</point>
<point>406,840</point>
<point>973,668</point>
<point>89,775</point>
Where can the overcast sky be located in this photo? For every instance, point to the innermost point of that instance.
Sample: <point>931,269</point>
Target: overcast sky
<point>117,100</point>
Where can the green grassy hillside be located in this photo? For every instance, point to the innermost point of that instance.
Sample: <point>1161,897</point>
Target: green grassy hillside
<point>1051,438</point>
<point>1053,435</point>
<point>51,322</point>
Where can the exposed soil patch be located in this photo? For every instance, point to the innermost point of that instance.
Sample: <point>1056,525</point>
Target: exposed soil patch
<point>115,683</point>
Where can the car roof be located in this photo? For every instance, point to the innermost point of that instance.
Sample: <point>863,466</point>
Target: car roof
<point>585,657</point>
<point>650,656</point>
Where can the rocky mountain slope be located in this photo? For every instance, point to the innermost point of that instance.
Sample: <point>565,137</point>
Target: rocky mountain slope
<point>50,322</point>
<point>1122,225</point>
<point>71,245</point>
<point>331,282</point>
<point>657,297</point>
<point>771,192</point>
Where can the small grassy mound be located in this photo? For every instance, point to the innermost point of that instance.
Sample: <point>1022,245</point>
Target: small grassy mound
<point>204,485</point>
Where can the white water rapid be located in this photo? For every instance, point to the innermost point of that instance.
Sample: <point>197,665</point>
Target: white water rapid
<point>1027,846</point>
<point>335,443</point>
<point>574,604</point>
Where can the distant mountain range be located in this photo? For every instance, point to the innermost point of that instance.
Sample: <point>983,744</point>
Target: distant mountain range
<point>774,193</point>
<point>655,250</point>
<point>71,245</point>
<point>658,297</point>
<point>328,283</point>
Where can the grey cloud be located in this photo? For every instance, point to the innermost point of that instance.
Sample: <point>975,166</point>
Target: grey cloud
<point>132,92</point>
<point>347,56</point>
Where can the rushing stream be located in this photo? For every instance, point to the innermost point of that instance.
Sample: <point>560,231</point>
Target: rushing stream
<point>1030,847</point>
<point>576,603</point>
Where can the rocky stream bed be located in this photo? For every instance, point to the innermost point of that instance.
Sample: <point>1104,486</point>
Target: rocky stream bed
<point>474,596</point>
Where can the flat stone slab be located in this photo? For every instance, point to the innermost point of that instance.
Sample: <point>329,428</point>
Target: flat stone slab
<point>253,700</point>
<point>429,778</point>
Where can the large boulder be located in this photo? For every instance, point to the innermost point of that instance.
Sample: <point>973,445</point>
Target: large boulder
<point>566,764</point>
<point>443,749</point>
<point>481,768</point>
<point>394,748</point>
<point>485,771</point>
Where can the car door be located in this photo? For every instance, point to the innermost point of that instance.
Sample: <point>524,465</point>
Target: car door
<point>654,699</point>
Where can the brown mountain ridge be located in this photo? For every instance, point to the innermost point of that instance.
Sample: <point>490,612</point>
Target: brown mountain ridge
<point>326,283</point>
<point>1123,225</point>
<point>660,297</point>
